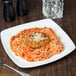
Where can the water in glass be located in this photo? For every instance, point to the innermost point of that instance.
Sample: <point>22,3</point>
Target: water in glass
<point>52,8</point>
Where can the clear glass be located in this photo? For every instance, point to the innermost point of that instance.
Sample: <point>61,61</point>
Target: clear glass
<point>52,8</point>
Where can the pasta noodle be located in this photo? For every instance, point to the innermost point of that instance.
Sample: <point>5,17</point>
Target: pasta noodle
<point>43,43</point>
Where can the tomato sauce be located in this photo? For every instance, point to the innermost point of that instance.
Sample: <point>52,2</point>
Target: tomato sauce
<point>19,47</point>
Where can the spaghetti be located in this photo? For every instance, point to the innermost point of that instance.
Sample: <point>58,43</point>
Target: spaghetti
<point>36,44</point>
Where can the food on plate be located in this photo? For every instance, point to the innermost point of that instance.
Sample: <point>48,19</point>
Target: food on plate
<point>36,44</point>
<point>37,39</point>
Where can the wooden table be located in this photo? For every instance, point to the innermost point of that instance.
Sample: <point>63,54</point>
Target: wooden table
<point>63,67</point>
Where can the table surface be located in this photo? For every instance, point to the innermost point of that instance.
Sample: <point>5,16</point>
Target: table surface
<point>63,67</point>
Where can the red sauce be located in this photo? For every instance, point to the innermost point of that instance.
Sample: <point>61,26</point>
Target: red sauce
<point>19,47</point>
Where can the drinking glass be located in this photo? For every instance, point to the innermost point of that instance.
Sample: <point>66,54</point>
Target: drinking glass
<point>52,8</point>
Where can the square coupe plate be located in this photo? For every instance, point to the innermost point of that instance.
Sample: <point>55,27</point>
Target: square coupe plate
<point>6,34</point>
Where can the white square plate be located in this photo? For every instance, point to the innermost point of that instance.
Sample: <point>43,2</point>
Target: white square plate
<point>6,34</point>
